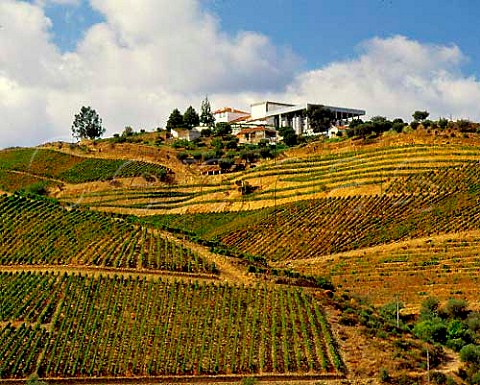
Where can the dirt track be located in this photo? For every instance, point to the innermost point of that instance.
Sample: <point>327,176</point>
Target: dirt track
<point>217,380</point>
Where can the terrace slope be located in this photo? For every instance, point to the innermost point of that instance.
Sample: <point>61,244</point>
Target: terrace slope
<point>396,218</point>
<point>421,188</point>
<point>345,169</point>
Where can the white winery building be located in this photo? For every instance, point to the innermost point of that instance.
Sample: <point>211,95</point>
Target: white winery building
<point>293,115</point>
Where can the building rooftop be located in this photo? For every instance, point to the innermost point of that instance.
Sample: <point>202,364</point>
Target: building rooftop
<point>230,109</point>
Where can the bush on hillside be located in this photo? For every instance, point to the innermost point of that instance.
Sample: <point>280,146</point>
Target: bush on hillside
<point>37,188</point>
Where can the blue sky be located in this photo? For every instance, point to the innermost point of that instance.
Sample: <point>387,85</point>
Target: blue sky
<point>318,31</point>
<point>324,31</point>
<point>135,61</point>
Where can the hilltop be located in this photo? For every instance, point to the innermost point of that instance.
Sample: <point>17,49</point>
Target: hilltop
<point>286,270</point>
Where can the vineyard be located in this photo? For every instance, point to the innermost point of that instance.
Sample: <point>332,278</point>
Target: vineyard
<point>317,227</point>
<point>357,172</point>
<point>442,266</point>
<point>194,277</point>
<point>376,167</point>
<point>73,169</point>
<point>76,326</point>
<point>150,198</point>
<point>40,232</point>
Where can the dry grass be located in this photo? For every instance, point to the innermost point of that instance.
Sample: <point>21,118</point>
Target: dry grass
<point>443,266</point>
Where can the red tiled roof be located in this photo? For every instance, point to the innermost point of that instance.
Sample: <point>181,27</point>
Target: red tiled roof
<point>229,109</point>
<point>240,119</point>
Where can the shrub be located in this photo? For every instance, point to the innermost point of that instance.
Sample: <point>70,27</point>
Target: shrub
<point>473,321</point>
<point>442,123</point>
<point>182,155</point>
<point>456,308</point>
<point>37,188</point>
<point>225,164</point>
<point>197,155</point>
<point>384,376</point>
<point>389,311</point>
<point>325,283</point>
<point>433,330</point>
<point>429,308</point>
<point>414,125</point>
<point>475,378</point>
<point>470,354</point>
<point>249,381</point>
<point>208,155</point>
<point>438,378</point>
<point>459,334</point>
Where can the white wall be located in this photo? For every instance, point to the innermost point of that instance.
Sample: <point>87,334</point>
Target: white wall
<point>259,111</point>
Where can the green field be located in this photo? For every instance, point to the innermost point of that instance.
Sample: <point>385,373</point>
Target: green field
<point>41,232</point>
<point>77,326</point>
<point>44,163</point>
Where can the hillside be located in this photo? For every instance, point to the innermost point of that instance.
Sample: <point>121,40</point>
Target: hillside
<point>181,276</point>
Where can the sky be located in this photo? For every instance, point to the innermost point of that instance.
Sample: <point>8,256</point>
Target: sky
<point>134,61</point>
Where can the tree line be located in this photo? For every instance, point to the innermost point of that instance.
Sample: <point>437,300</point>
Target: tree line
<point>190,118</point>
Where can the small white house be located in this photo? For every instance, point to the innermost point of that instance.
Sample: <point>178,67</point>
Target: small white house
<point>183,133</point>
<point>333,131</point>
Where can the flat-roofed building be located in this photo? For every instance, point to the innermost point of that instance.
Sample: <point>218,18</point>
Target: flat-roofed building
<point>295,115</point>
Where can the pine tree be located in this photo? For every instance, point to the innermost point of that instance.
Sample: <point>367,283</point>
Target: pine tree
<point>87,124</point>
<point>175,120</point>
<point>206,116</point>
<point>191,118</point>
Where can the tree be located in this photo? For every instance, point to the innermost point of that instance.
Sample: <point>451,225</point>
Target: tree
<point>217,143</point>
<point>442,123</point>
<point>429,308</point>
<point>225,164</point>
<point>206,116</point>
<point>87,124</point>
<point>414,125</point>
<point>191,118</point>
<point>206,132</point>
<point>222,129</point>
<point>128,131</point>
<point>320,118</point>
<point>380,124</point>
<point>289,136</point>
<point>420,115</point>
<point>175,120</point>
<point>355,122</point>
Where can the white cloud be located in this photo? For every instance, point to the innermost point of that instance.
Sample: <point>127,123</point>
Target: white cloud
<point>134,68</point>
<point>148,58</point>
<point>394,77</point>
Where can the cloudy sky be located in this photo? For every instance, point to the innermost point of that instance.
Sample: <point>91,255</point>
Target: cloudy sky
<point>136,60</point>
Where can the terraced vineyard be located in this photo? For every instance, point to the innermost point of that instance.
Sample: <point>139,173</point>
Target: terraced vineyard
<point>150,198</point>
<point>377,168</point>
<point>441,266</point>
<point>370,171</point>
<point>77,326</point>
<point>324,226</point>
<point>39,232</point>
<point>385,222</point>
<point>43,163</point>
